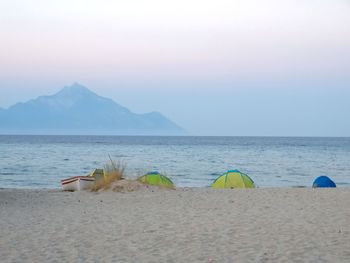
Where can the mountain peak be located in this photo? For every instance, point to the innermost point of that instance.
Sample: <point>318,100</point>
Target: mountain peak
<point>75,88</point>
<point>76,109</point>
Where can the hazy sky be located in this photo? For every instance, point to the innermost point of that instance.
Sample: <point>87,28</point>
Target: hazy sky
<point>235,67</point>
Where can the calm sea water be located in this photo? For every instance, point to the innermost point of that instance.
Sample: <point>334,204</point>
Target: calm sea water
<point>42,161</point>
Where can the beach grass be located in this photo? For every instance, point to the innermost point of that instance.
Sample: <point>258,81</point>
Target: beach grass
<point>113,171</point>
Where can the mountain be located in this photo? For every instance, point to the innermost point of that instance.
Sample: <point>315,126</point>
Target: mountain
<point>77,110</point>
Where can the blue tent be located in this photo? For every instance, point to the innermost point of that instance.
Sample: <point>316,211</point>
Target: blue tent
<point>323,181</point>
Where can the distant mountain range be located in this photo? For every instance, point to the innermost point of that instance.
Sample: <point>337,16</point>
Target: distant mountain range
<point>77,110</point>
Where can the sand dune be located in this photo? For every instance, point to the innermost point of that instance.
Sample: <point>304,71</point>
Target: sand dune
<point>184,225</point>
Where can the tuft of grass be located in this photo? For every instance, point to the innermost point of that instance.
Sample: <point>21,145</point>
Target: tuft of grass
<point>113,171</point>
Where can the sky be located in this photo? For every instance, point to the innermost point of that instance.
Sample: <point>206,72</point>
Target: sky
<point>235,67</point>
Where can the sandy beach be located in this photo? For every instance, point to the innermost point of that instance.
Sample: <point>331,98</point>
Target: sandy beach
<point>183,225</point>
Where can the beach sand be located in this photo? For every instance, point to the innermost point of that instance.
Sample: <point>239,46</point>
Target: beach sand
<point>183,225</point>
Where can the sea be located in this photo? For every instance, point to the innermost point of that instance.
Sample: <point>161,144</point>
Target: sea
<point>34,162</point>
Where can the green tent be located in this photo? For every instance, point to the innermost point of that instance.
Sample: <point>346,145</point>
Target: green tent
<point>99,174</point>
<point>233,179</point>
<point>155,178</point>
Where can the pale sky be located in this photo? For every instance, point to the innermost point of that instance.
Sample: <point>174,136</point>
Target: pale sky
<point>255,67</point>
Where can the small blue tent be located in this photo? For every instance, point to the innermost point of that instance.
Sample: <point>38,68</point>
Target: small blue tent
<point>323,181</point>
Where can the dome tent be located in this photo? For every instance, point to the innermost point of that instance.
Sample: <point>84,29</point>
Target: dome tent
<point>233,179</point>
<point>155,178</point>
<point>323,182</point>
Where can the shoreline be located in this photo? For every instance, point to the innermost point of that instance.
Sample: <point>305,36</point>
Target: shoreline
<point>180,188</point>
<point>182,225</point>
